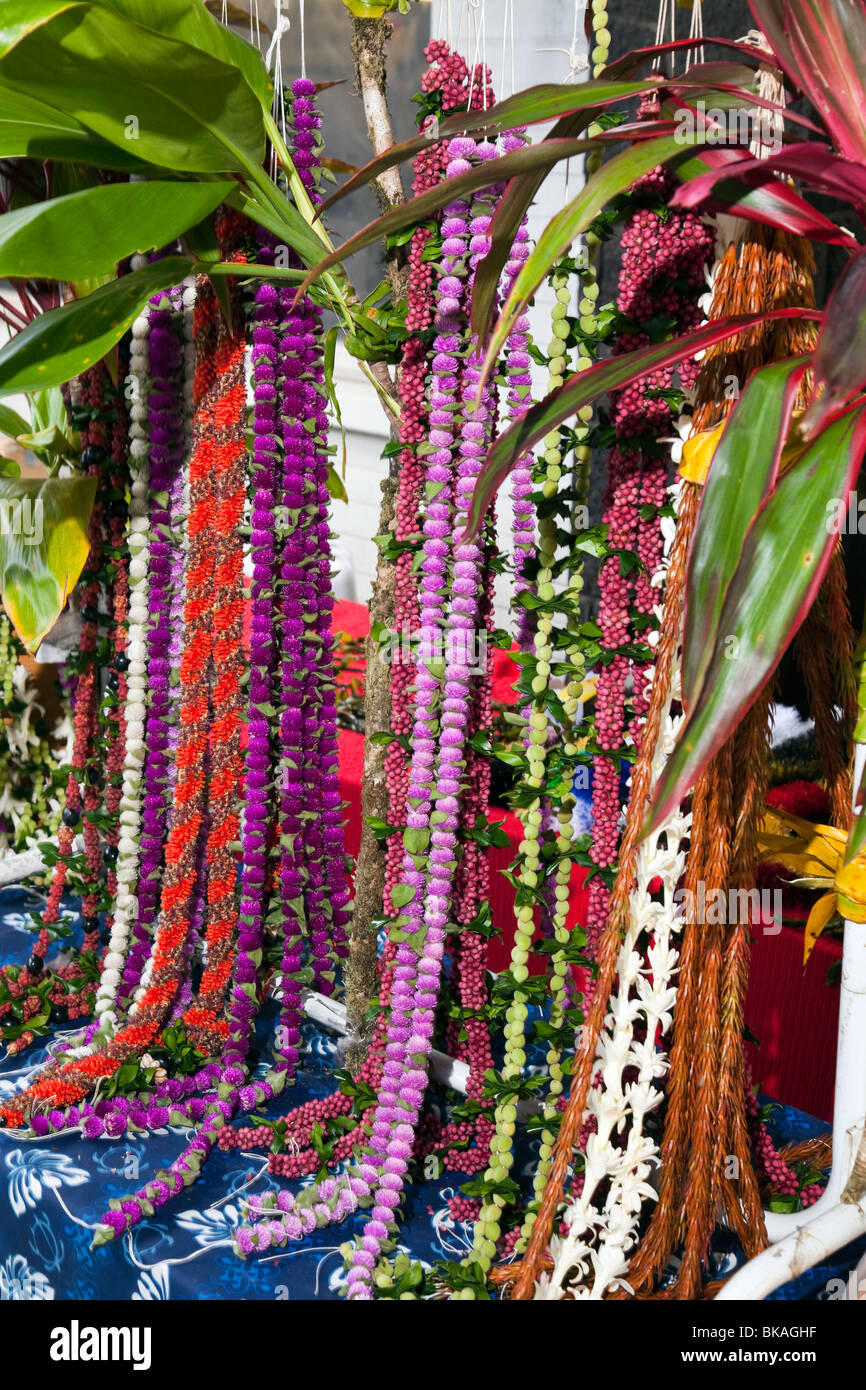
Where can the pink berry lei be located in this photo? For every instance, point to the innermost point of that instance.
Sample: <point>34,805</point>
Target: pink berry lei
<point>662,273</point>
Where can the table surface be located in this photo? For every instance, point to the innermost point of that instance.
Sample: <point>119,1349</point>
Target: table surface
<point>53,1192</point>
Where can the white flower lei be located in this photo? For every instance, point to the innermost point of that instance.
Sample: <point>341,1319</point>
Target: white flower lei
<point>592,1256</point>
<point>138,533</point>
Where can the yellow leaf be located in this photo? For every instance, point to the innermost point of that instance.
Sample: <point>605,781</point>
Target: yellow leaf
<point>698,454</point>
<point>367,9</point>
<point>802,863</point>
<point>822,913</point>
<point>851,888</point>
<point>43,550</point>
<point>698,451</point>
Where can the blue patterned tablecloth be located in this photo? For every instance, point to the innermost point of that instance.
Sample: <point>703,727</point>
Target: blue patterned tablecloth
<point>54,1191</point>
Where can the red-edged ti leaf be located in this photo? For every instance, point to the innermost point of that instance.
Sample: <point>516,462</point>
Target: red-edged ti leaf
<point>511,209</point>
<point>821,44</point>
<point>546,102</point>
<point>711,181</point>
<point>482,175</point>
<point>726,97</point>
<point>742,472</point>
<point>814,164</point>
<point>559,234</point>
<point>839,361</point>
<point>585,387</point>
<point>520,193</point>
<point>784,559</point>
<point>631,63</point>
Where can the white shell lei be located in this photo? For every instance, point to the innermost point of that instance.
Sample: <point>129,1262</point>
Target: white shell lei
<point>593,1255</point>
<point>138,533</point>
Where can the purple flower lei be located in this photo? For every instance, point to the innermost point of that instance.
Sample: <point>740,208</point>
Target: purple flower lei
<point>313,890</point>
<point>433,791</point>
<point>434,776</point>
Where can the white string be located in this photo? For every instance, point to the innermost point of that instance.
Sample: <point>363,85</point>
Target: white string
<point>660,32</point>
<point>303,42</point>
<point>325,1250</point>
<point>275,55</point>
<point>183,1260</point>
<point>696,31</point>
<point>77,1219</point>
<point>472,11</point>
<point>574,30</point>
<point>577,61</point>
<point>236,1191</point>
<point>484,53</point>
<point>508,47</point>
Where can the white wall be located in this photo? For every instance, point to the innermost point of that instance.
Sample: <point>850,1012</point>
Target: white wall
<point>540,25</point>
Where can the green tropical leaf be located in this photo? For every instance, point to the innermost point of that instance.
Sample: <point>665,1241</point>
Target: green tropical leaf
<point>64,342</point>
<point>584,387</point>
<point>43,547</point>
<point>285,223</point>
<point>857,833</point>
<point>193,24</point>
<point>48,408</point>
<point>742,472</point>
<point>30,128</point>
<point>85,234</point>
<point>784,560</point>
<point>175,106</point>
<point>11,422</point>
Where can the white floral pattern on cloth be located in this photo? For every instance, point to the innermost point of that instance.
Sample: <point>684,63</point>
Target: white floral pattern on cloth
<point>153,1285</point>
<point>19,1282</point>
<point>184,1255</point>
<point>33,1170</point>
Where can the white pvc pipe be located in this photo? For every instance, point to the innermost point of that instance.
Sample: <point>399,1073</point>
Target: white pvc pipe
<point>814,1240</point>
<point>330,1013</point>
<point>849,1101</point>
<point>15,868</point>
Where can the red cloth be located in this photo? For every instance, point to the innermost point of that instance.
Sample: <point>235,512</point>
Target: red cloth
<point>794,1014</point>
